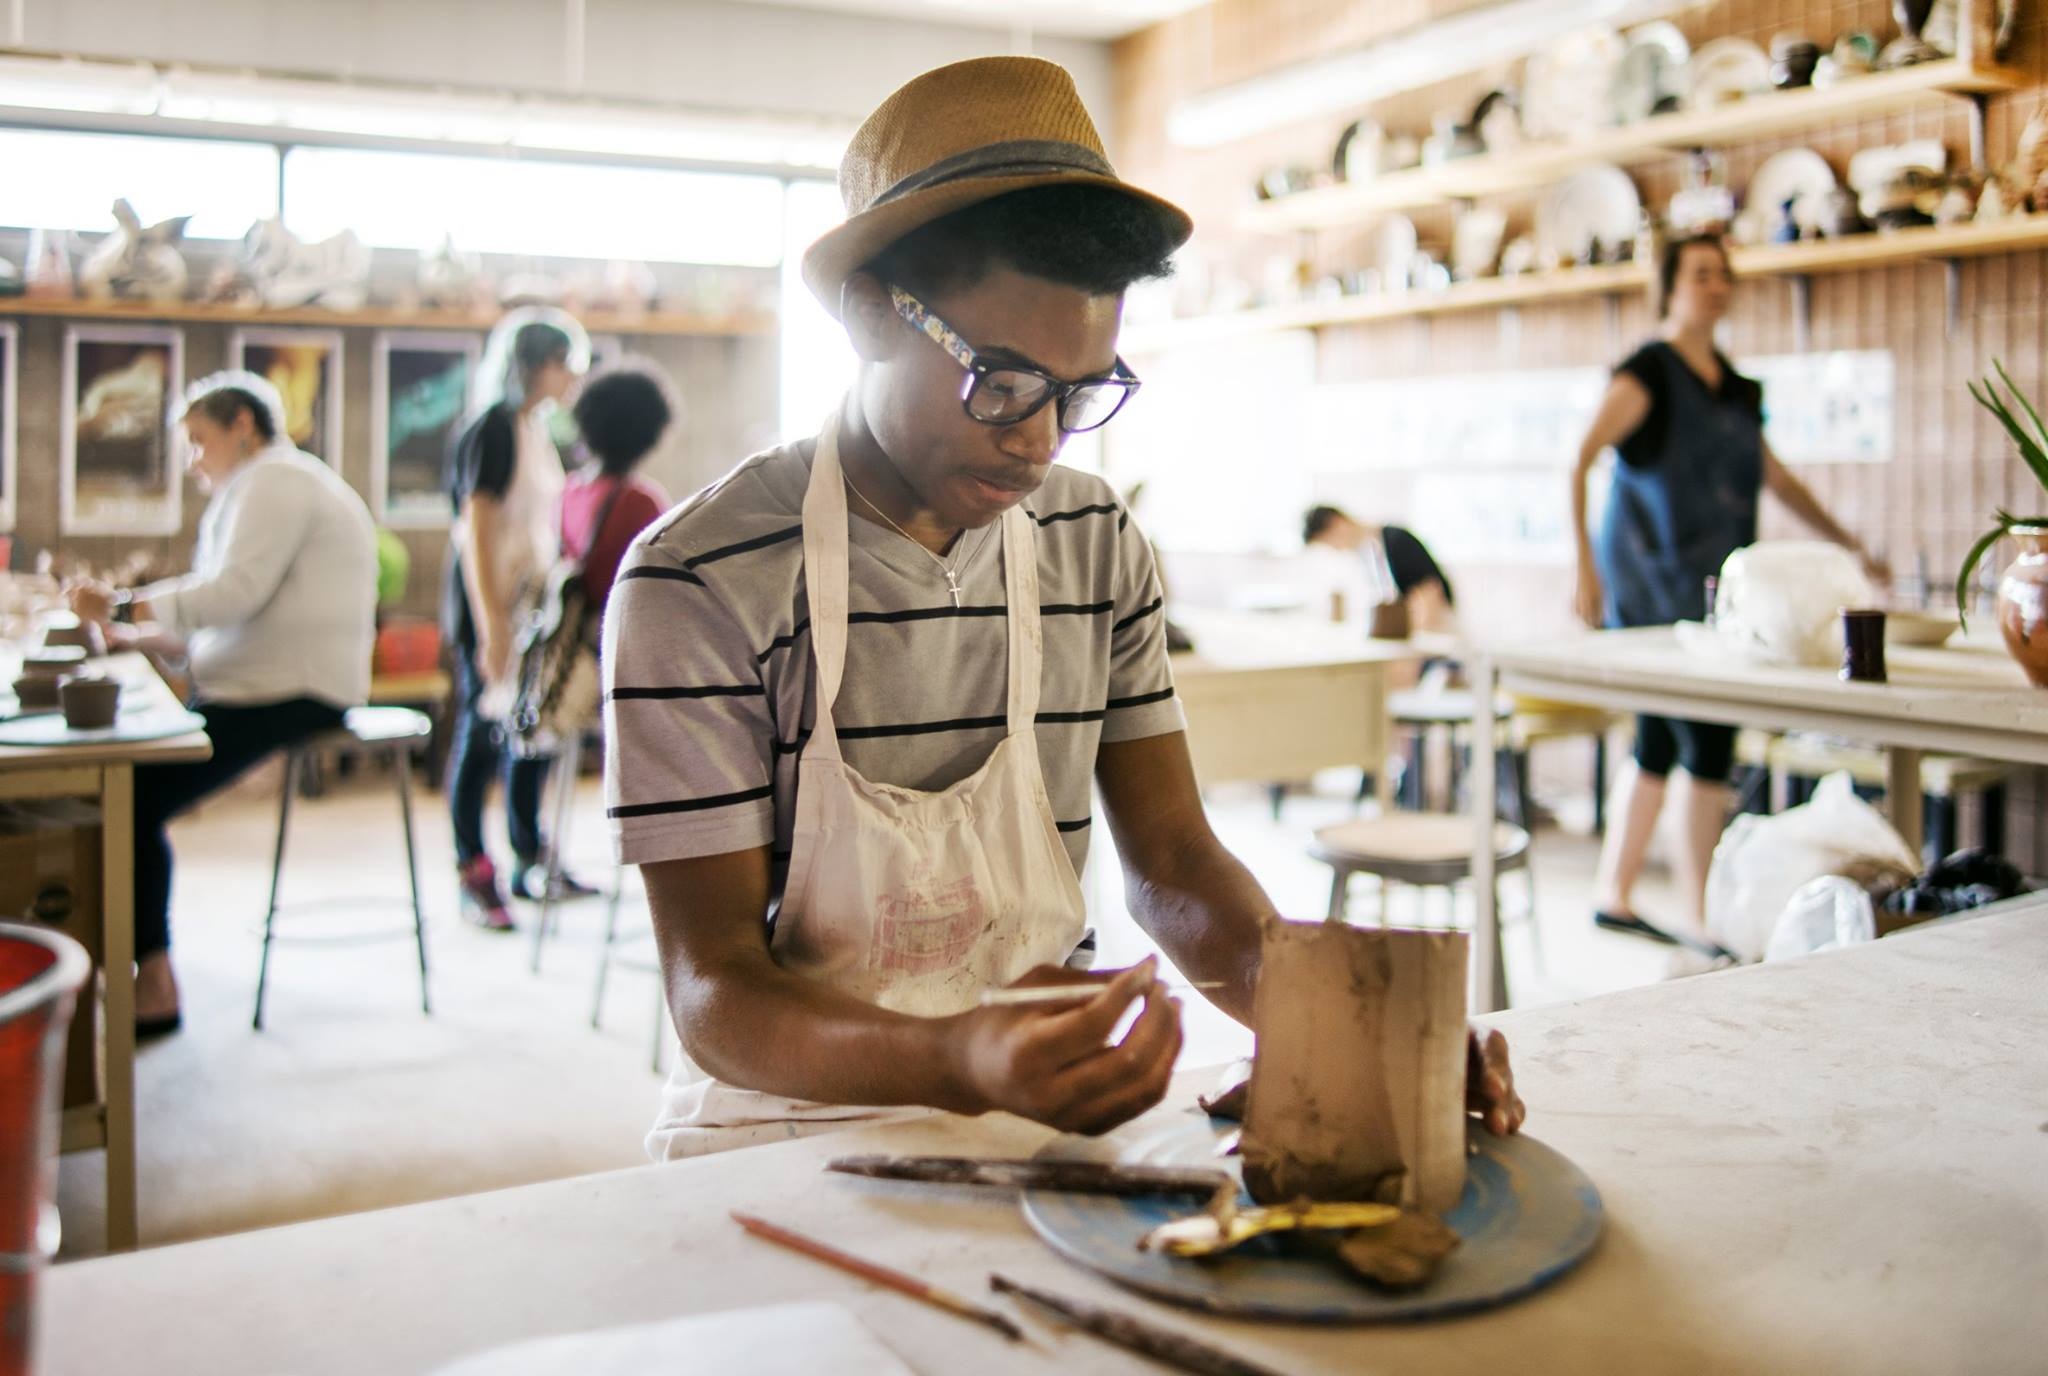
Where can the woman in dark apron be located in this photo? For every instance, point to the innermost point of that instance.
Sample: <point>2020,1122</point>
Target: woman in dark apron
<point>1692,465</point>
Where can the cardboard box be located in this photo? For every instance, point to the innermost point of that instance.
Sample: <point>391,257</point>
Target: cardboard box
<point>50,878</point>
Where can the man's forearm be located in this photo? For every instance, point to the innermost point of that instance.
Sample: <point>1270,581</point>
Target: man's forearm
<point>757,1026</point>
<point>1207,912</point>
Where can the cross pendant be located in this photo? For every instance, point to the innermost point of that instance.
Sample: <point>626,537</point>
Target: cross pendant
<point>953,586</point>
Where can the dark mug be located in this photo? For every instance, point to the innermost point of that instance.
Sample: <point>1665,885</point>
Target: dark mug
<point>1862,645</point>
<point>90,701</point>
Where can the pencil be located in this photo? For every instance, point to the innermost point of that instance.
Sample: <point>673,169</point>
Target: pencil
<point>1063,993</point>
<point>881,1275</point>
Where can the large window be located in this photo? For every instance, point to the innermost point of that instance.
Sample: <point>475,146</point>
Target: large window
<point>503,205</point>
<point>63,180</point>
<point>817,361</point>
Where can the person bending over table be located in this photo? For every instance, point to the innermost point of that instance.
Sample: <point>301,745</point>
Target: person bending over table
<point>275,620</point>
<point>1694,463</point>
<point>860,687</point>
<point>1368,567</point>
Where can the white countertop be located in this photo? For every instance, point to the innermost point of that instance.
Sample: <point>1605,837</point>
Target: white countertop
<point>1836,1164</point>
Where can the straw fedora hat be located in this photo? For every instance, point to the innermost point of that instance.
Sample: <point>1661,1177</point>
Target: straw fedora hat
<point>954,136</point>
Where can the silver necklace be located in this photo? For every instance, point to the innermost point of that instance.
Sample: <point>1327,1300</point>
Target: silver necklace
<point>951,571</point>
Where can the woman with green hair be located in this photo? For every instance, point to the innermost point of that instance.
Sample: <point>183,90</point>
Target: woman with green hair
<point>505,478</point>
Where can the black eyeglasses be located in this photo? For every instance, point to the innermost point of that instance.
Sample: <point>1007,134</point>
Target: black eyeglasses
<point>1004,394</point>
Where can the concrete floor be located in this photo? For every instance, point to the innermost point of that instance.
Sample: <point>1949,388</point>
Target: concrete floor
<point>350,1099</point>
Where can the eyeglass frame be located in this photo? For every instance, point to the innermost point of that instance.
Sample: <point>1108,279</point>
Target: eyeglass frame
<point>926,322</point>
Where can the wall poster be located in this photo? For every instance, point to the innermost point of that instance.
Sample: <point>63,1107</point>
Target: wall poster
<point>418,398</point>
<point>118,470</point>
<point>305,367</point>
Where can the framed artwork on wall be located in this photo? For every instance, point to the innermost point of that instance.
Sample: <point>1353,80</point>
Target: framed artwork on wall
<point>118,470</point>
<point>419,393</point>
<point>305,367</point>
<point>10,424</point>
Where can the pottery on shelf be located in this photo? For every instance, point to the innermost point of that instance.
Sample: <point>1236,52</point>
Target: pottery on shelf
<point>2023,604</point>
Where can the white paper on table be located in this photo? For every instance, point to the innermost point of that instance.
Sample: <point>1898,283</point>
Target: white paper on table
<point>772,1340</point>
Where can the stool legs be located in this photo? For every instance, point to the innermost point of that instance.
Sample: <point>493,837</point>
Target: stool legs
<point>284,817</point>
<point>604,948</point>
<point>401,768</point>
<point>558,832</point>
<point>1340,881</point>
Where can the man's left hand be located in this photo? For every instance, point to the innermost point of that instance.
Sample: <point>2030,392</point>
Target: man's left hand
<point>1490,1083</point>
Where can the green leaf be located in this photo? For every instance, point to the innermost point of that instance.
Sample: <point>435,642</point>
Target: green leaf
<point>1977,553</point>
<point>2030,453</point>
<point>2021,397</point>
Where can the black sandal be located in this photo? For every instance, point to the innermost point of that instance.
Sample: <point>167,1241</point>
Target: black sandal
<point>1631,925</point>
<point>149,1029</point>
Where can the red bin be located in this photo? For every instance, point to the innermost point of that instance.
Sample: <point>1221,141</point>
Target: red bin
<point>40,975</point>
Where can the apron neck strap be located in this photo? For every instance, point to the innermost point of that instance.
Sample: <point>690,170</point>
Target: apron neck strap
<point>825,585</point>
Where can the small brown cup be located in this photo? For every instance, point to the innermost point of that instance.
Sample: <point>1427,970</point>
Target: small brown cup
<point>36,692</point>
<point>1862,645</point>
<point>90,701</point>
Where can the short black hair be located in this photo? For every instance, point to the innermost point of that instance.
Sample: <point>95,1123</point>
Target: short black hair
<point>1318,520</point>
<point>223,404</point>
<point>1093,237</point>
<point>622,412</point>
<point>1674,258</point>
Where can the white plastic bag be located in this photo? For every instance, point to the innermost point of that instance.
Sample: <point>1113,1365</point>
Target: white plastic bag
<point>1829,912</point>
<point>1781,602</point>
<point>1762,862</point>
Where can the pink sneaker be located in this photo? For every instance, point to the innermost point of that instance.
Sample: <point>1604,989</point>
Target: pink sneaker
<point>482,903</point>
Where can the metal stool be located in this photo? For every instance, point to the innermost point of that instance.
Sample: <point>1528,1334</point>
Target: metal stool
<point>399,733</point>
<point>1420,711</point>
<point>605,948</point>
<point>1430,850</point>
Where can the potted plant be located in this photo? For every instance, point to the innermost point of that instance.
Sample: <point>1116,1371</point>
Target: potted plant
<point>2023,590</point>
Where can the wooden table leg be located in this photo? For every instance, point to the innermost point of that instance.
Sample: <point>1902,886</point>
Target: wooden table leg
<point>1902,795</point>
<point>1489,991</point>
<point>117,909</point>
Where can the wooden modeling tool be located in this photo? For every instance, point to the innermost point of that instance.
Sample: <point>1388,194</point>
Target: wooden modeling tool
<point>899,1281</point>
<point>1075,1177</point>
<point>1127,1331</point>
<point>1064,993</point>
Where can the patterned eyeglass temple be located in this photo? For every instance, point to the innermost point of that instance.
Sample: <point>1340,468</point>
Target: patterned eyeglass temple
<point>920,318</point>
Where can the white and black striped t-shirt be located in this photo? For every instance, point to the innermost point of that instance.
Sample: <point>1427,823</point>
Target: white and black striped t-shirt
<point>710,690</point>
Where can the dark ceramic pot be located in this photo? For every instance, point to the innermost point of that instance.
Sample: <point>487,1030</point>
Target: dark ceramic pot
<point>2023,604</point>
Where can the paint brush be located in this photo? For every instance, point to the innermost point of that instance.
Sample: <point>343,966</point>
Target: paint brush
<point>1065,993</point>
<point>898,1281</point>
<point>1127,1331</point>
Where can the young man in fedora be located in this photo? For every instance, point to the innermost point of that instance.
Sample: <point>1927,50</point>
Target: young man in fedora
<point>859,689</point>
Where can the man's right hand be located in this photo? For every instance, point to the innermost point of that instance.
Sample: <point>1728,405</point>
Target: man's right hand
<point>1589,600</point>
<point>1054,1064</point>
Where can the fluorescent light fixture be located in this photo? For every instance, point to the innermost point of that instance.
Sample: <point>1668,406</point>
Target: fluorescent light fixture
<point>1433,52</point>
<point>339,110</point>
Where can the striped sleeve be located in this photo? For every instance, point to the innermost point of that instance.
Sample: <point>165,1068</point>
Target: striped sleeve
<point>689,741</point>
<point>1141,698</point>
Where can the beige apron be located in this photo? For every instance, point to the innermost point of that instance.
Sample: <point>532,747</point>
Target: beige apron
<point>912,901</point>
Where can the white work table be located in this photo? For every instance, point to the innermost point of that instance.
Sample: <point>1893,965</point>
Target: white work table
<point>1970,699</point>
<point>1835,1164</point>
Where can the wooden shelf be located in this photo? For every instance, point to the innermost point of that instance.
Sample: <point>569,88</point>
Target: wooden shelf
<point>380,318</point>
<point>1757,117</point>
<point>1899,246</point>
<point>1351,310</point>
<point>1762,260</point>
